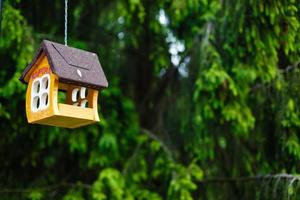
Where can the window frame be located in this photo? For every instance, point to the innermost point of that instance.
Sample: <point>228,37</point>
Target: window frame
<point>40,93</point>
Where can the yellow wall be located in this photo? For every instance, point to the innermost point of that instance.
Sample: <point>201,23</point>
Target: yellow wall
<point>42,67</point>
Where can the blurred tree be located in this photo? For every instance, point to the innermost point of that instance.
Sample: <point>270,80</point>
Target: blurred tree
<point>198,89</point>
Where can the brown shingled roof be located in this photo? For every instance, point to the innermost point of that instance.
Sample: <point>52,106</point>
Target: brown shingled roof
<point>66,61</point>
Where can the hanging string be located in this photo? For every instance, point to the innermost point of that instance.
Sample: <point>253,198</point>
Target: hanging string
<point>66,22</point>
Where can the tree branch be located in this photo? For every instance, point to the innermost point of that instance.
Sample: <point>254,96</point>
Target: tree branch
<point>162,143</point>
<point>45,188</point>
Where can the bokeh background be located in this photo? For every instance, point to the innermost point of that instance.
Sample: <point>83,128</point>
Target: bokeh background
<point>203,101</point>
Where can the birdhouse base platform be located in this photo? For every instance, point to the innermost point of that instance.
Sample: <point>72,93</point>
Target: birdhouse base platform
<point>69,116</point>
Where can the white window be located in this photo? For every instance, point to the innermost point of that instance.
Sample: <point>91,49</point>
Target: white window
<point>79,97</point>
<point>40,93</point>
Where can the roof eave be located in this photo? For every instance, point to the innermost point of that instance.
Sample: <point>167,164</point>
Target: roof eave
<point>37,55</point>
<point>84,84</point>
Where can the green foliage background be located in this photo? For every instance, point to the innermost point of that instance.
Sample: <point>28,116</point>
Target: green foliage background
<point>198,89</point>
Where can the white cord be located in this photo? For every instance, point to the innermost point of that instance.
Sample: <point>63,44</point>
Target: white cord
<point>66,22</point>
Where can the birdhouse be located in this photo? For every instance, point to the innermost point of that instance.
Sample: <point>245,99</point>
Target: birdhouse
<point>63,84</point>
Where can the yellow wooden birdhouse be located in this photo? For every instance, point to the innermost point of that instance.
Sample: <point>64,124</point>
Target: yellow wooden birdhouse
<point>63,84</point>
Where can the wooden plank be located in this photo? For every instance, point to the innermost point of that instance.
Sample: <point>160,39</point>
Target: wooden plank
<point>65,122</point>
<point>75,112</point>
